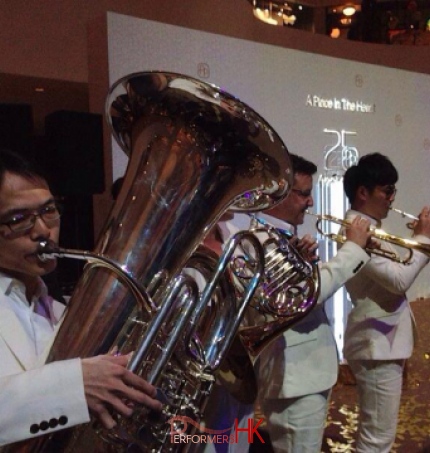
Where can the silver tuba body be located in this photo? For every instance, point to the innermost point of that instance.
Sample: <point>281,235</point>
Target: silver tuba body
<point>194,152</point>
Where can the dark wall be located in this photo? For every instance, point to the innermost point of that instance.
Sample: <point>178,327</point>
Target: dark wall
<point>70,154</point>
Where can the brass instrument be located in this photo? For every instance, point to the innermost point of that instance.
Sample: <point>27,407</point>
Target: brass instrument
<point>408,244</point>
<point>289,289</point>
<point>193,319</point>
<point>404,214</point>
<point>194,152</point>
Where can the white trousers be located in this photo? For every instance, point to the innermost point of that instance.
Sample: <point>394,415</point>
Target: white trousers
<point>379,385</point>
<point>223,411</point>
<point>296,425</point>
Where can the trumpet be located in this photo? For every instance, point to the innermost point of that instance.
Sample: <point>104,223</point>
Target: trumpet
<point>404,214</point>
<point>376,233</point>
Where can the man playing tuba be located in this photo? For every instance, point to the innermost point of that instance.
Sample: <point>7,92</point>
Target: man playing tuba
<point>36,398</point>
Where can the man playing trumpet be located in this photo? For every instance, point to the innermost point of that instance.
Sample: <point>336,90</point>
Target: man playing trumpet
<point>379,333</point>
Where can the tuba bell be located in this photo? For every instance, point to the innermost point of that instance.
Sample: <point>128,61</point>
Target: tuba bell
<point>194,152</point>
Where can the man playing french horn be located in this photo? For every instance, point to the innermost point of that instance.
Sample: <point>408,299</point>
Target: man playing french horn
<point>296,371</point>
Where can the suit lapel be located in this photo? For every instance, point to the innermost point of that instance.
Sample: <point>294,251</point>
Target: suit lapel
<point>16,339</point>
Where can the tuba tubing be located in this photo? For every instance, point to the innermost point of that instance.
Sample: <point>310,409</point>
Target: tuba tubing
<point>48,250</point>
<point>195,304</point>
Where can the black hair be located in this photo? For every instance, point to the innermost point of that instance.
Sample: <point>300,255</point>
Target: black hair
<point>302,165</point>
<point>116,187</point>
<point>13,162</point>
<point>372,170</point>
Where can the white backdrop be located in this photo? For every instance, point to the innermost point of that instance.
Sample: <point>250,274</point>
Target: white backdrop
<point>300,94</point>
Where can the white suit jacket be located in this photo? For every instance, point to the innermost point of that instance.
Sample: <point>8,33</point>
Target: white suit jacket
<point>304,359</point>
<point>35,399</point>
<point>380,325</point>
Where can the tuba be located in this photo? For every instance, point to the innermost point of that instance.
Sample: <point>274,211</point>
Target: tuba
<point>194,152</point>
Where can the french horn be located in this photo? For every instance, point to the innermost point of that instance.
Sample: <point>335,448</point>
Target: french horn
<point>194,152</point>
<point>288,291</point>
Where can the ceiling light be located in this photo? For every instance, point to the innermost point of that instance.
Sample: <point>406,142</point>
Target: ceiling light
<point>289,20</point>
<point>349,10</point>
<point>335,33</point>
<point>265,16</point>
<point>274,12</point>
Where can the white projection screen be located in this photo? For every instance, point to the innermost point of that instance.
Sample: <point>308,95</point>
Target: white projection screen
<point>303,96</point>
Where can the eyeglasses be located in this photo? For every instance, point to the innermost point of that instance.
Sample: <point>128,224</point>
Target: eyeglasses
<point>303,193</point>
<point>389,190</point>
<point>25,220</point>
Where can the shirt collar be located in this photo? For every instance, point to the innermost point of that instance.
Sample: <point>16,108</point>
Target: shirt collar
<point>275,222</point>
<point>9,284</point>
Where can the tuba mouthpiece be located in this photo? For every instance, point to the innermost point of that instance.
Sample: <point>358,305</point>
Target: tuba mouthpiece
<point>46,250</point>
